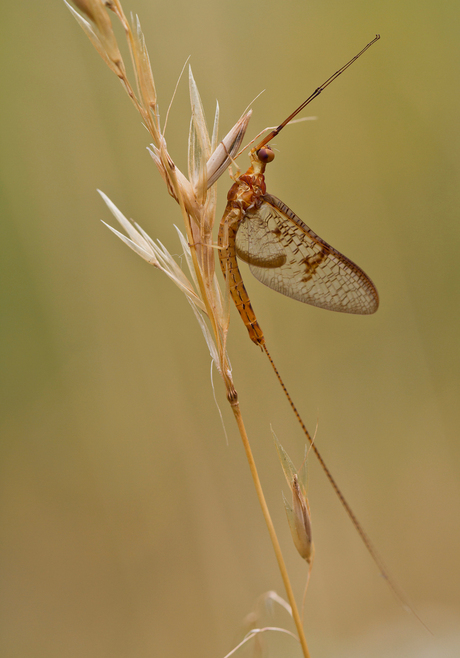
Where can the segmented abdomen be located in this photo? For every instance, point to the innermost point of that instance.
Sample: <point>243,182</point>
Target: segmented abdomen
<point>227,256</point>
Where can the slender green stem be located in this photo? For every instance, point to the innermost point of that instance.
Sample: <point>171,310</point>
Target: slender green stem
<point>271,528</point>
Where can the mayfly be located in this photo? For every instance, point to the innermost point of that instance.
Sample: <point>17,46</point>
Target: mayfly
<point>286,255</point>
<point>282,251</point>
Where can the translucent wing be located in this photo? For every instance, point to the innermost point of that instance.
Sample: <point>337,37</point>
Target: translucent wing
<point>286,255</point>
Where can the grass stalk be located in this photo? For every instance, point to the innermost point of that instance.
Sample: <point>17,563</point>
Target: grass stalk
<point>271,528</point>
<point>197,202</point>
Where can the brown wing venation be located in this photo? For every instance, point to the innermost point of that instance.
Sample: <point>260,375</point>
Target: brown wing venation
<point>286,255</point>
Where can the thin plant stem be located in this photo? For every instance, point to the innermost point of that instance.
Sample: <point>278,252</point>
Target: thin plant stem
<point>202,285</point>
<point>271,528</point>
<point>304,598</point>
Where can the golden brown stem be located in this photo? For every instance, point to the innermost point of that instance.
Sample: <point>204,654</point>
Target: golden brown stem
<point>271,529</point>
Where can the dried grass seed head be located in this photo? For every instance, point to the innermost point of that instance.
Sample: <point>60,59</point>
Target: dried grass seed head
<point>103,38</point>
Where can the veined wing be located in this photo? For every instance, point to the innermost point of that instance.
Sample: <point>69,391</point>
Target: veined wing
<point>286,255</point>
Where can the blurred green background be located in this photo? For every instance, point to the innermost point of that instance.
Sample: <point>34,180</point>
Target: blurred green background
<point>129,528</point>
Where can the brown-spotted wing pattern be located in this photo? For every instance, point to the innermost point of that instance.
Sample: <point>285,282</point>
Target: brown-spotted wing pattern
<point>286,255</point>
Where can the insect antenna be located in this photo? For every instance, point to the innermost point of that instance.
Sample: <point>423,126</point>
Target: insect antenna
<point>316,93</point>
